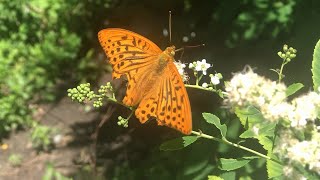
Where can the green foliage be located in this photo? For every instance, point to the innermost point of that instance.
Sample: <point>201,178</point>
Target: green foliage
<point>213,119</point>
<point>214,178</point>
<point>274,169</point>
<point>316,66</point>
<point>260,17</point>
<point>228,175</point>
<point>35,43</point>
<point>42,137</point>
<point>293,88</point>
<point>15,160</point>
<point>249,116</point>
<point>52,173</point>
<point>40,45</point>
<point>178,143</point>
<point>252,118</point>
<point>232,164</point>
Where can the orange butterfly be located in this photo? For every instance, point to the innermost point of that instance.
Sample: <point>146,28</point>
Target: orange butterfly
<point>154,82</point>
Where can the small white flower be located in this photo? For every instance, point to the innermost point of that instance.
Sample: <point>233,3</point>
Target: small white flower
<point>215,80</point>
<point>165,32</point>
<point>202,66</point>
<point>191,65</point>
<point>180,66</point>
<point>193,34</point>
<point>185,39</point>
<point>205,85</point>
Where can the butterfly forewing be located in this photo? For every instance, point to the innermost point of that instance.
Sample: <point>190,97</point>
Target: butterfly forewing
<point>127,51</point>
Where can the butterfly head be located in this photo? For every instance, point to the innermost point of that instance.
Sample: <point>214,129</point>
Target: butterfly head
<point>170,50</point>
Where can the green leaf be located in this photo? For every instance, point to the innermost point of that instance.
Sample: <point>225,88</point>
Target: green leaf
<point>266,142</point>
<point>293,88</point>
<point>178,143</point>
<point>267,129</point>
<point>204,173</point>
<point>214,178</point>
<point>231,175</point>
<point>196,166</point>
<point>249,116</point>
<point>264,129</point>
<point>274,169</point>
<point>213,119</point>
<point>248,134</point>
<point>316,66</point>
<point>232,164</point>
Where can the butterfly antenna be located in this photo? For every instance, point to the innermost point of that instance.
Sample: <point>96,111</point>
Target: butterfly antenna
<point>170,26</point>
<point>195,46</point>
<point>182,49</point>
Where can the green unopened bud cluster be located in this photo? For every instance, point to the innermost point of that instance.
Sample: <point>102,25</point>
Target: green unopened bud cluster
<point>98,103</point>
<point>104,89</point>
<point>81,93</point>
<point>288,53</point>
<point>122,122</point>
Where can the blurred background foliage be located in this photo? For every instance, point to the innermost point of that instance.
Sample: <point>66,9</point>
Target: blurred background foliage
<point>47,46</point>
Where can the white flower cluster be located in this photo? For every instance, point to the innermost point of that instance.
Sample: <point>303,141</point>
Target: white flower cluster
<point>214,80</point>
<point>307,153</point>
<point>305,108</point>
<point>299,115</point>
<point>199,66</point>
<point>180,66</point>
<point>270,97</point>
<point>251,89</point>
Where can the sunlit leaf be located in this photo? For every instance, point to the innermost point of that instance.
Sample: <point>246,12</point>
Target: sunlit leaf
<point>249,116</point>
<point>293,88</point>
<point>316,66</point>
<point>248,134</point>
<point>274,169</point>
<point>214,178</point>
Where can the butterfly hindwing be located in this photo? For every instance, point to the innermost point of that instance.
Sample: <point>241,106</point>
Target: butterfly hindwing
<point>168,102</point>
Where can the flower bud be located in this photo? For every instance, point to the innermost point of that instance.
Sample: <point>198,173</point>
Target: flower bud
<point>288,53</point>
<point>292,56</point>
<point>290,49</point>
<point>285,48</point>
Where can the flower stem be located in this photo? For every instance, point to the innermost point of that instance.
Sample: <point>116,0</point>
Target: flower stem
<point>225,141</point>
<point>281,69</point>
<point>197,79</point>
<point>114,100</point>
<point>199,87</point>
